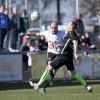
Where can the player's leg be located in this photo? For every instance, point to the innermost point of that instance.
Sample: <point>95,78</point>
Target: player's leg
<point>45,76</point>
<point>81,80</point>
<point>43,79</point>
<point>76,75</point>
<point>51,56</point>
<point>55,64</point>
<point>67,73</point>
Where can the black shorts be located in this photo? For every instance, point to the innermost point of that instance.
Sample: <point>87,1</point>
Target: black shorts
<point>51,56</point>
<point>61,60</point>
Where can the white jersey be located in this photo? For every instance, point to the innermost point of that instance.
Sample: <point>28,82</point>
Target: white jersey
<point>54,41</point>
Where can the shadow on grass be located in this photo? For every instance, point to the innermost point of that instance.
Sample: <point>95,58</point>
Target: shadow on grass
<point>73,82</point>
<point>57,83</point>
<point>14,85</point>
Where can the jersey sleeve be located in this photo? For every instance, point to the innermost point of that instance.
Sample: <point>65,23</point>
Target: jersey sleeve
<point>73,36</point>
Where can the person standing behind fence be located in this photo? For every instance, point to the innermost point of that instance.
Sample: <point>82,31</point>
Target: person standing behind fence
<point>6,12</point>
<point>24,26</point>
<point>15,28</point>
<point>80,25</point>
<point>4,25</point>
<point>24,21</point>
<point>24,48</point>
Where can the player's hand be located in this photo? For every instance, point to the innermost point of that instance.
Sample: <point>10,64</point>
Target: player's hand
<point>76,57</point>
<point>77,60</point>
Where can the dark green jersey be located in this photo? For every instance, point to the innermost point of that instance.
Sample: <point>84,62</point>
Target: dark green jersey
<point>25,23</point>
<point>68,44</point>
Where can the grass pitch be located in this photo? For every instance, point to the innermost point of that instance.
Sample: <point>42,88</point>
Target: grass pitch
<point>62,90</point>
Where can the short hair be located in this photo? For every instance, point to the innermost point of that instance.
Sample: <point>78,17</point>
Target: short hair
<point>2,6</point>
<point>25,11</point>
<point>55,23</point>
<point>74,23</point>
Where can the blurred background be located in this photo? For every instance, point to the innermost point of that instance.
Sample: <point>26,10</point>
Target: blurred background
<point>60,11</point>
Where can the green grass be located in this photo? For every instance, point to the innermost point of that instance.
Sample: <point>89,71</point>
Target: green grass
<point>63,90</point>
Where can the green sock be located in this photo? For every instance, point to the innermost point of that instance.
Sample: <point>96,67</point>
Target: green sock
<point>44,77</point>
<point>79,78</point>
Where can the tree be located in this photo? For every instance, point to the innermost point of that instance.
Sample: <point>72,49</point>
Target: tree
<point>90,7</point>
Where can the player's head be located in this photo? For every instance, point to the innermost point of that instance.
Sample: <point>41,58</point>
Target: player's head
<point>2,8</point>
<point>24,12</point>
<point>25,39</point>
<point>6,12</point>
<point>54,27</point>
<point>78,15</point>
<point>72,25</point>
<point>15,10</point>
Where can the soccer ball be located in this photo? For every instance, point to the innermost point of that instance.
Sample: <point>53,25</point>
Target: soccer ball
<point>89,88</point>
<point>35,16</point>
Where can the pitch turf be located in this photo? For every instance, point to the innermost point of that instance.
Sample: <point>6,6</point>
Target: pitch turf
<point>63,90</point>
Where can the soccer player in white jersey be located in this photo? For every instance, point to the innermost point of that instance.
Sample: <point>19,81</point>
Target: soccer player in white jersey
<point>54,38</point>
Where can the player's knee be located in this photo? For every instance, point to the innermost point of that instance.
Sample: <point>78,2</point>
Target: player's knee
<point>50,67</point>
<point>49,62</point>
<point>73,73</point>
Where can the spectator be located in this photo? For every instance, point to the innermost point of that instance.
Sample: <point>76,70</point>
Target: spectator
<point>42,44</point>
<point>6,12</point>
<point>88,42</point>
<point>83,42</point>
<point>24,21</point>
<point>34,43</point>
<point>15,28</point>
<point>80,24</point>
<point>25,47</point>
<point>4,26</point>
<point>24,27</point>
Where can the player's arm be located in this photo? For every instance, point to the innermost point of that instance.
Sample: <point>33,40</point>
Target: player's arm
<point>74,38</point>
<point>75,46</point>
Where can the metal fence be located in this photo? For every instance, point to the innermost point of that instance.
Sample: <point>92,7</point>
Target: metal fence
<point>88,65</point>
<point>11,66</point>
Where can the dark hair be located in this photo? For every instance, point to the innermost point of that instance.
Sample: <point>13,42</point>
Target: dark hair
<point>2,6</point>
<point>74,23</point>
<point>25,11</point>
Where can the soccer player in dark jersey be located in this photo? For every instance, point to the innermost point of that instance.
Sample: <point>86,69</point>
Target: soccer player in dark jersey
<point>67,53</point>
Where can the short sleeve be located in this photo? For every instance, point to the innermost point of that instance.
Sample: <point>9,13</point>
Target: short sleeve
<point>73,36</point>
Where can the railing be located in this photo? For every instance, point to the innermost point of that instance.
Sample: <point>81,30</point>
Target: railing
<point>11,65</point>
<point>88,65</point>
